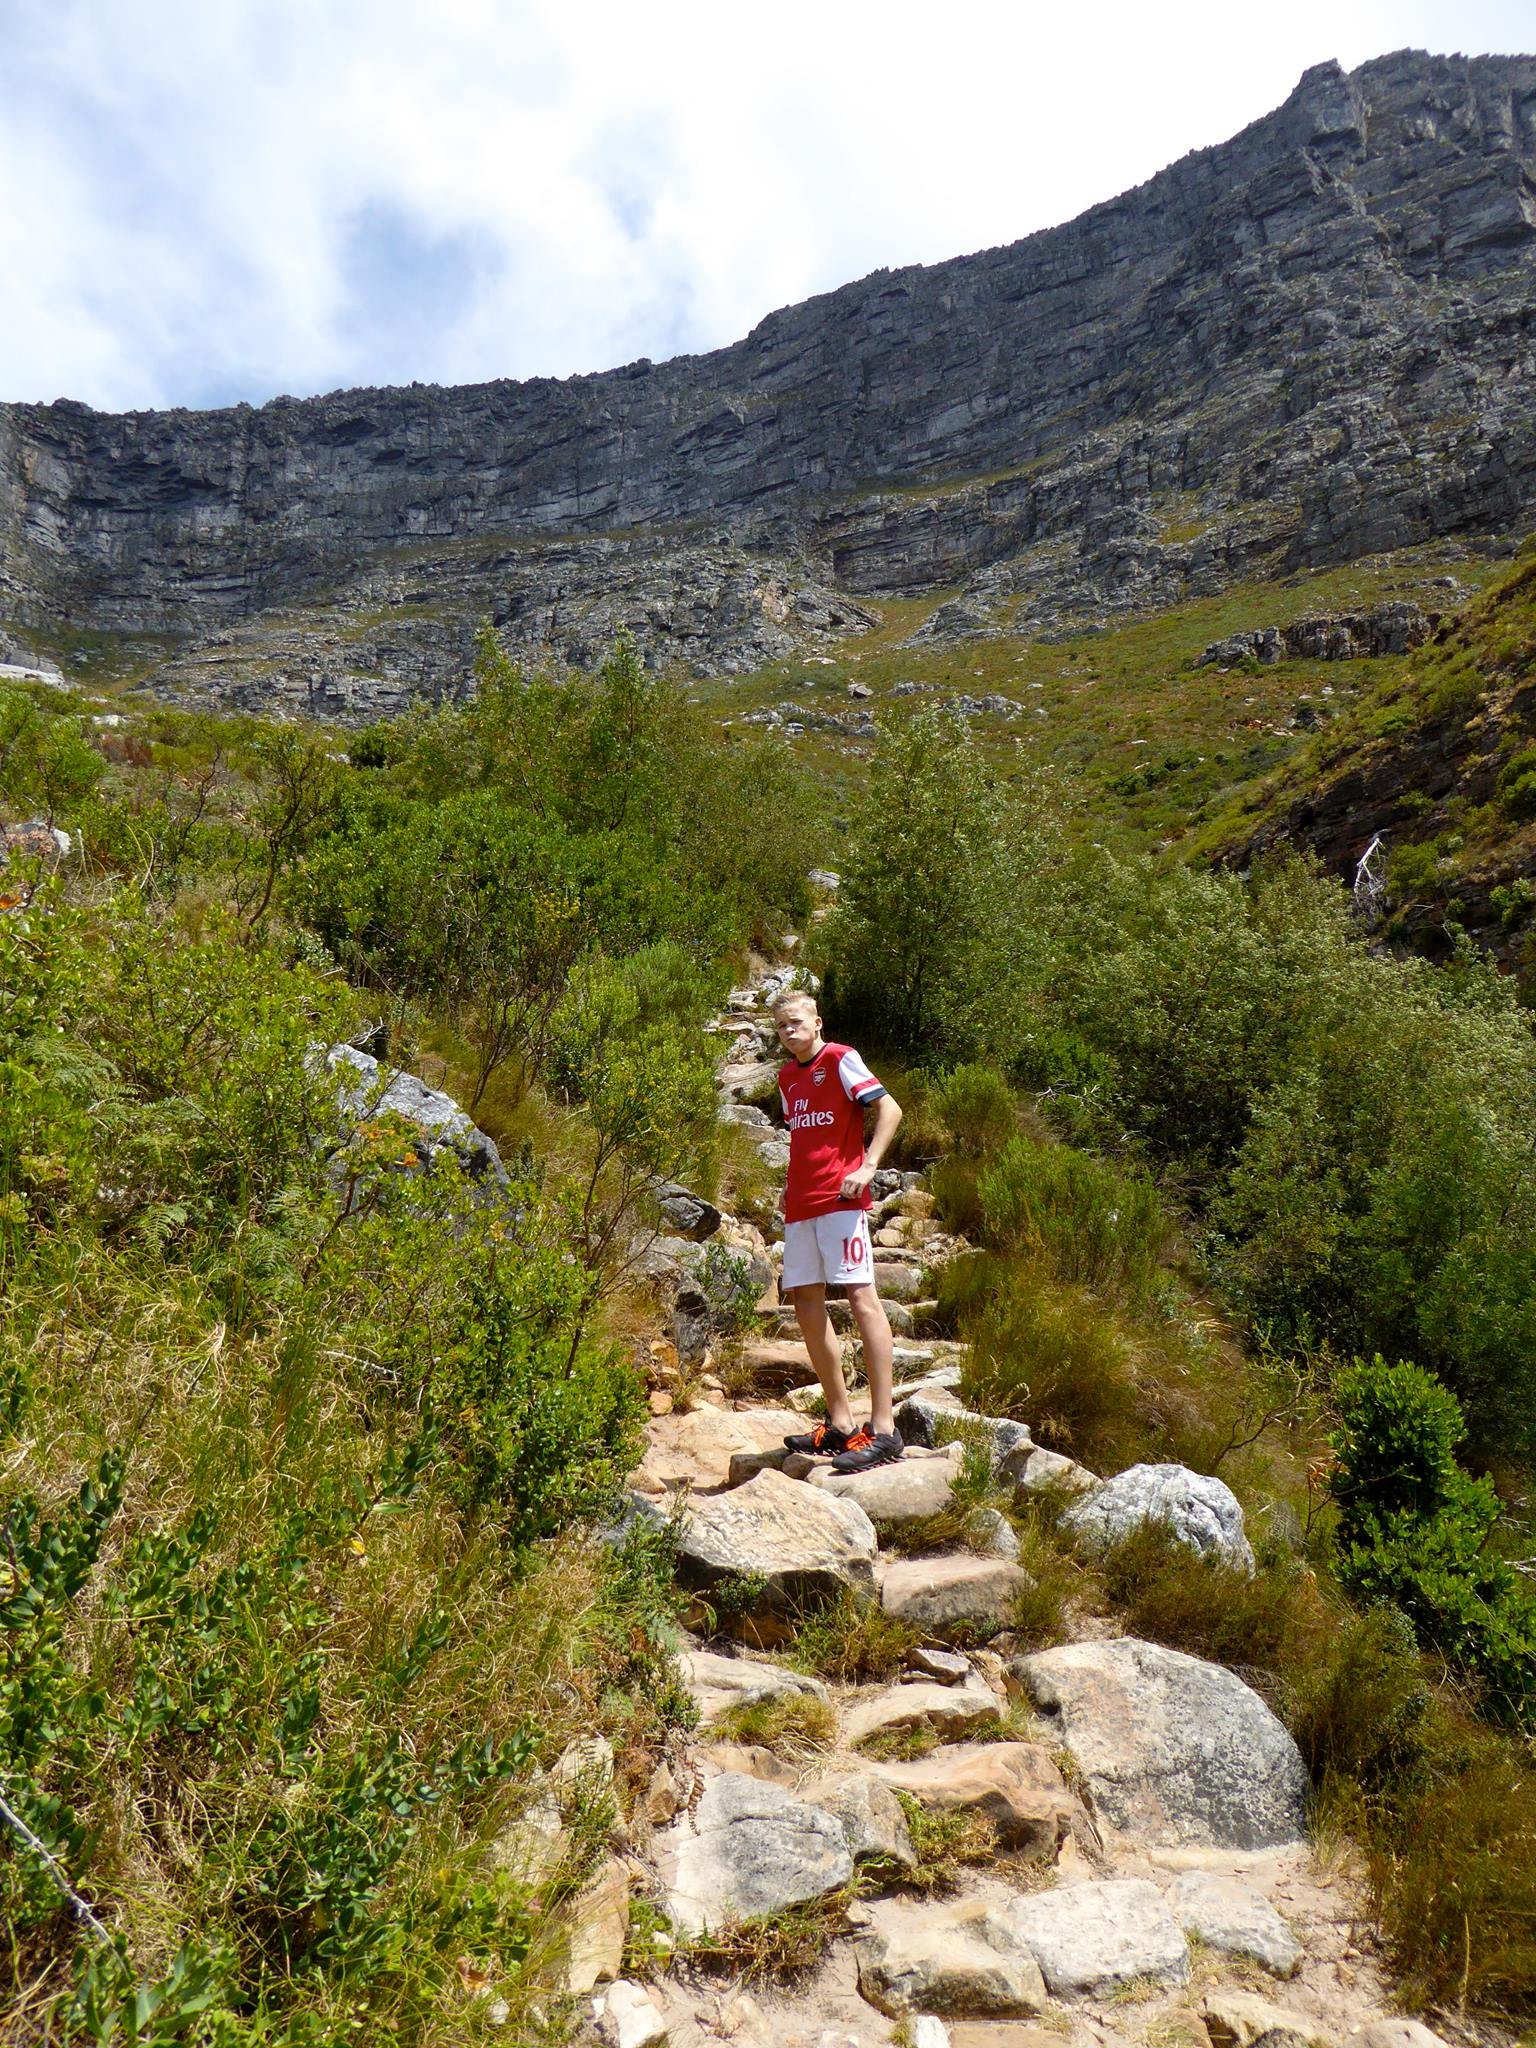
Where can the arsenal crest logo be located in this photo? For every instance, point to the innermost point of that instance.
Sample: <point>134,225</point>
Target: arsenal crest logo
<point>819,1076</point>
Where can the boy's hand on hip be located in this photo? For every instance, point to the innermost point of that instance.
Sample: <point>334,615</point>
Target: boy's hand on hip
<point>856,1182</point>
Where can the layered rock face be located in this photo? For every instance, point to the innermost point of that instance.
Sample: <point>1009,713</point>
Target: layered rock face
<point>1311,342</point>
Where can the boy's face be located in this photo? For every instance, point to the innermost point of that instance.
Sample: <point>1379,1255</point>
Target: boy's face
<point>799,1030</point>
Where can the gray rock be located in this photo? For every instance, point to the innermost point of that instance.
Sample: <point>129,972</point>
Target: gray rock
<point>1172,1750</point>
<point>991,1534</point>
<point>1091,1938</point>
<point>948,1666</point>
<point>1198,1510</point>
<point>719,1683</point>
<point>911,1490</point>
<point>950,1711</point>
<point>1234,1919</point>
<point>869,1814</point>
<point>951,1597</point>
<point>1240,2019</point>
<point>953,1961</point>
<point>1038,1471</point>
<point>366,1090</point>
<point>629,2017</point>
<point>1394,628</point>
<point>777,1547</point>
<point>747,1114</point>
<point>686,1213</point>
<point>749,1848</point>
<point>1396,2033</point>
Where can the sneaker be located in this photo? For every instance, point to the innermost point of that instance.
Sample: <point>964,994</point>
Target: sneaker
<point>864,1450</point>
<point>824,1441</point>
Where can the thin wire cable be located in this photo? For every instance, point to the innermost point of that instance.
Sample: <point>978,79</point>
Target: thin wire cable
<point>78,1906</point>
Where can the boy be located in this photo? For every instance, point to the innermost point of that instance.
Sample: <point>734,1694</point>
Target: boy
<point>825,1090</point>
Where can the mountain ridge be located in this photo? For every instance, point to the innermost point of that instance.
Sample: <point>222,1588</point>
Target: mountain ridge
<point>1302,339</point>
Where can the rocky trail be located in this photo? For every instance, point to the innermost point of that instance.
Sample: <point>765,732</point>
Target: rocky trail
<point>1148,1875</point>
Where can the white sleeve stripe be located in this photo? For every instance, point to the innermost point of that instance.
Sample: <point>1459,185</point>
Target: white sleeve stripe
<point>855,1076</point>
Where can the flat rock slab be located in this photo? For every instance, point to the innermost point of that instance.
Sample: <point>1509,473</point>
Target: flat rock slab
<point>920,1485</point>
<point>749,1847</point>
<point>719,1683</point>
<point>697,1449</point>
<point>753,1081</point>
<point>1240,2019</point>
<point>1200,1511</point>
<point>794,1546</point>
<point>1001,2034</point>
<point>1234,1919</point>
<point>952,1596</point>
<point>1015,1784</point>
<point>949,1710</point>
<point>1091,1938</point>
<point>598,1918</point>
<point>776,1362</point>
<point>1173,1750</point>
<point>948,1960</point>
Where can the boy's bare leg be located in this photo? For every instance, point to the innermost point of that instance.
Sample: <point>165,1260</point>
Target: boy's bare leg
<point>875,1329</point>
<point>827,1354</point>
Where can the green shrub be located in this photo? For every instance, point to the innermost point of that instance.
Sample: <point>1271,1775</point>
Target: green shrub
<point>1267,1621</point>
<point>1415,1528</point>
<point>1052,1357</point>
<point>1516,784</point>
<point>978,1107</point>
<point>1082,1219</point>
<point>850,1640</point>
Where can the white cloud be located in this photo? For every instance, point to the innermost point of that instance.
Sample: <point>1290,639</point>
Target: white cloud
<point>209,199</point>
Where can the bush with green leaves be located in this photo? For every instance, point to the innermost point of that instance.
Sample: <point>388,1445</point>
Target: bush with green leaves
<point>1081,1218</point>
<point>1417,1530</point>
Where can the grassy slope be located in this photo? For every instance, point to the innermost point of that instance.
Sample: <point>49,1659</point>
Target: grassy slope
<point>1423,747</point>
<point>1156,745</point>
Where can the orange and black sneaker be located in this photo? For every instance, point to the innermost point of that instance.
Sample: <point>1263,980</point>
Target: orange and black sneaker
<point>824,1441</point>
<point>865,1449</point>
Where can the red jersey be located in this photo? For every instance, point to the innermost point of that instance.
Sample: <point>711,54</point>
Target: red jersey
<point>824,1102</point>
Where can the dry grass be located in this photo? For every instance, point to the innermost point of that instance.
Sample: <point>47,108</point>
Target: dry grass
<point>792,1724</point>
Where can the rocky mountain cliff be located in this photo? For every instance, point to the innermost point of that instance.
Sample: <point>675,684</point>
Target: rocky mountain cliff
<point>1314,341</point>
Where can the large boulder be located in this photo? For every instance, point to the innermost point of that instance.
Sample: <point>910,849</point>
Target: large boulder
<point>1171,1749</point>
<point>1234,1919</point>
<point>1196,1508</point>
<point>777,1548</point>
<point>1015,1784</point>
<point>948,1960</point>
<point>748,1848</point>
<point>1089,1939</point>
<point>367,1090</point>
<point>963,1596</point>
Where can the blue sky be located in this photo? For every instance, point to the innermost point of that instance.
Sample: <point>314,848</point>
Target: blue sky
<point>210,200</point>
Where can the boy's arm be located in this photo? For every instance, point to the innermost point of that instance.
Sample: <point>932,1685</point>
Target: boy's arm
<point>887,1117</point>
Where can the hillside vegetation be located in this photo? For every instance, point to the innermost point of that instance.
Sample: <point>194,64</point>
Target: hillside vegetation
<point>1439,756</point>
<point>309,1442</point>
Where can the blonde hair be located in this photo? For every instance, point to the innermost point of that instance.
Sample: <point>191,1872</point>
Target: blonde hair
<point>789,997</point>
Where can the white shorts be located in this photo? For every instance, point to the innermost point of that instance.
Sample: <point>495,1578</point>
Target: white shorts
<point>830,1250</point>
